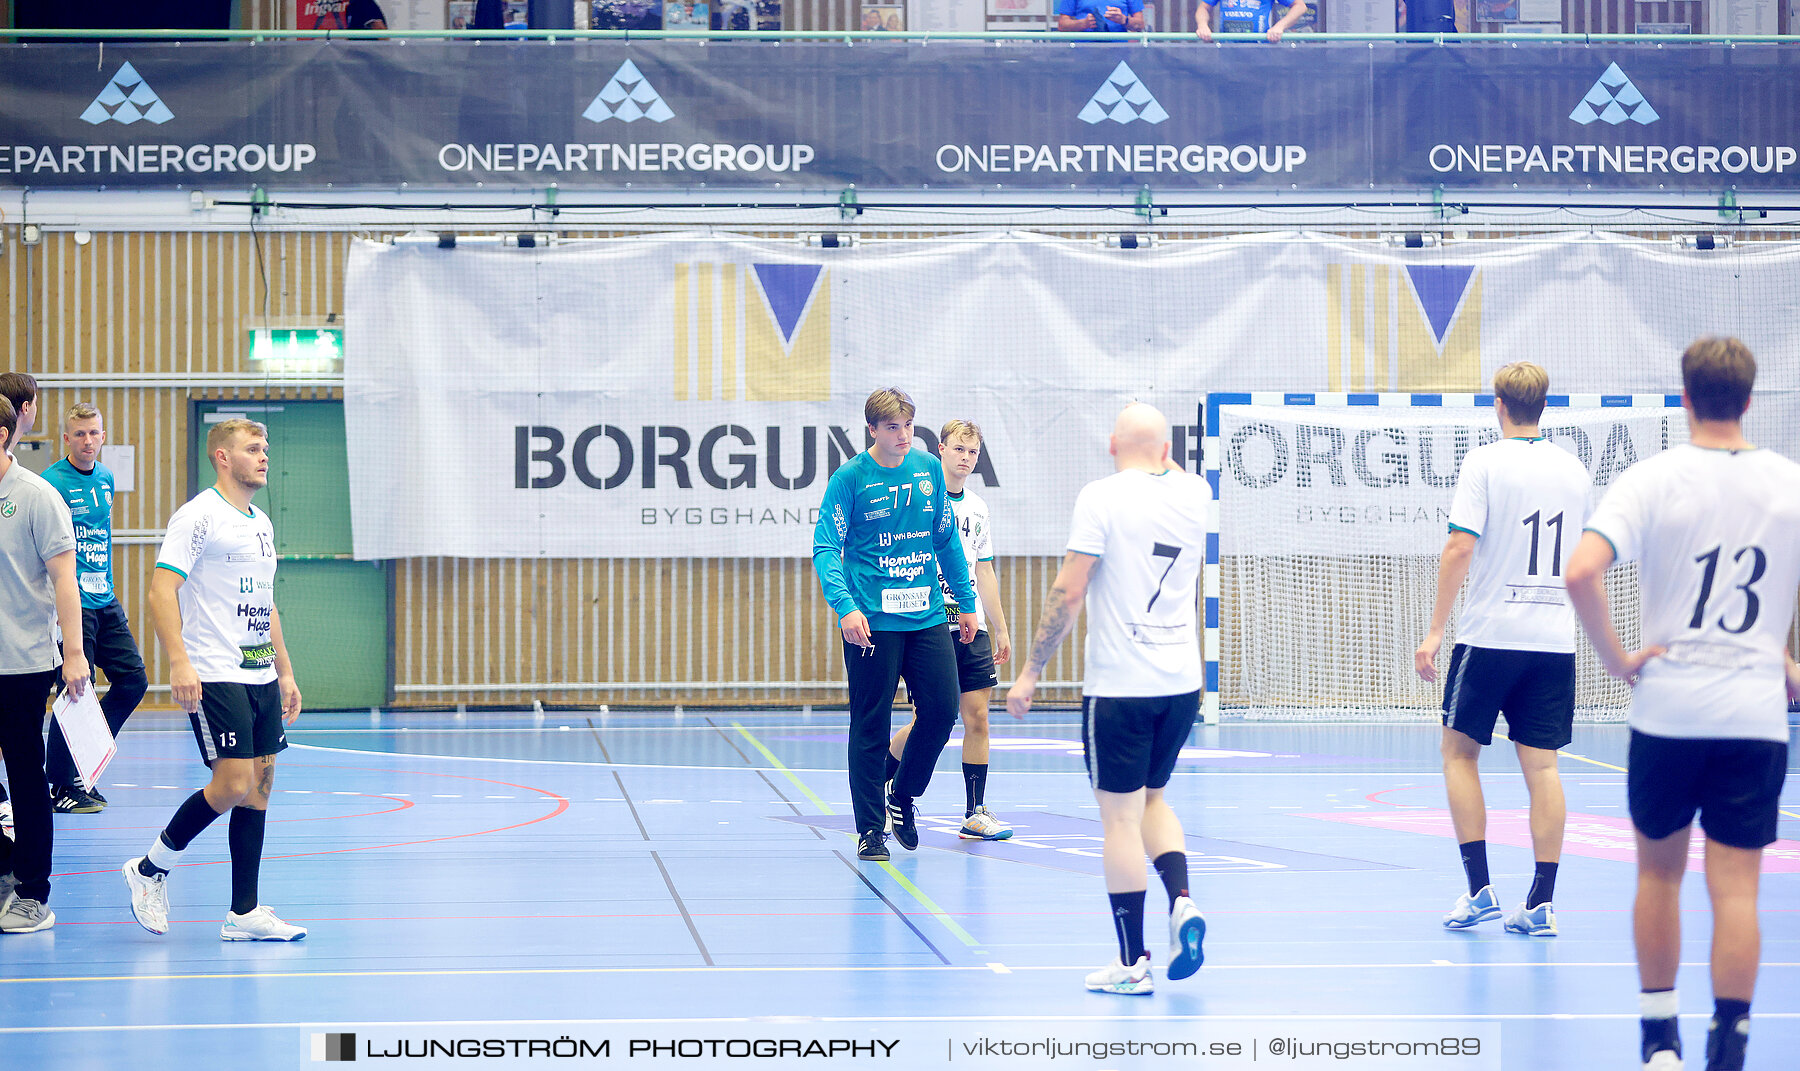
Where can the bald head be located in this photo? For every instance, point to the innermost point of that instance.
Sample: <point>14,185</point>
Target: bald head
<point>1140,438</point>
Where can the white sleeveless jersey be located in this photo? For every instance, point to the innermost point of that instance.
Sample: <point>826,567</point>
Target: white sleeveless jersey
<point>1525,501</point>
<point>1714,536</point>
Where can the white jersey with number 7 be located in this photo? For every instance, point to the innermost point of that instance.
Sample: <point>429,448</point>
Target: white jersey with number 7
<point>1143,630</point>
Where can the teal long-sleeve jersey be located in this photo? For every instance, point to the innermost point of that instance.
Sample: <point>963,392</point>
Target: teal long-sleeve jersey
<point>883,534</point>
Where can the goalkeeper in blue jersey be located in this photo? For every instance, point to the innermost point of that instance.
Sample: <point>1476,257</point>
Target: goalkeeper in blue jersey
<point>86,486</point>
<point>885,530</point>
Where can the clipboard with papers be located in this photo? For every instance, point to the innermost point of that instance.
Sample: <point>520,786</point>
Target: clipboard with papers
<point>85,730</point>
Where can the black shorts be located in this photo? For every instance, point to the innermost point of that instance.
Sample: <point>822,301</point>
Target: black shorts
<point>1734,784</point>
<point>1132,742</point>
<point>1534,689</point>
<point>975,663</point>
<point>239,721</point>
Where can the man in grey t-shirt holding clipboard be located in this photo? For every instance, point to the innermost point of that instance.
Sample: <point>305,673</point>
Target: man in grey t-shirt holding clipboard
<point>37,593</point>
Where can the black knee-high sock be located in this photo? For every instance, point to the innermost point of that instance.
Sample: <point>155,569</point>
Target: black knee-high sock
<point>1128,923</point>
<point>191,819</point>
<point>1172,868</point>
<point>246,856</point>
<point>974,786</point>
<point>1474,860</point>
<point>1543,885</point>
<point>893,765</point>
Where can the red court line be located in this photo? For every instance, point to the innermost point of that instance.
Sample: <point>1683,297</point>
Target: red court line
<point>562,804</point>
<point>1375,797</point>
<point>404,804</point>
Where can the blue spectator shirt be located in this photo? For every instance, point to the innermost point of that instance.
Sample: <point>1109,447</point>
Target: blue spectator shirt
<point>89,497</point>
<point>883,535</point>
<point>1081,9</point>
<point>1246,16</point>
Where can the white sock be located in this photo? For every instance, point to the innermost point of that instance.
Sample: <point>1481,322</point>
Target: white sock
<point>1658,1005</point>
<point>161,855</point>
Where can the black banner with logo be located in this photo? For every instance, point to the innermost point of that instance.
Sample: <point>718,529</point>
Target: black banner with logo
<point>965,115</point>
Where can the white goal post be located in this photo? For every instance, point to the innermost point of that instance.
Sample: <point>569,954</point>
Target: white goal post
<point>1329,513</point>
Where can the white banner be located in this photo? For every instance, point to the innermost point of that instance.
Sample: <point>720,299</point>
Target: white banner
<point>689,395</point>
<point>1342,481</point>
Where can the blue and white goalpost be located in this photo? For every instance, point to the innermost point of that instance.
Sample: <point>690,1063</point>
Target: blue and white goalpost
<point>1329,513</point>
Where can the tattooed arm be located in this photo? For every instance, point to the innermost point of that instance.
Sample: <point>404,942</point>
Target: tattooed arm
<point>1060,610</point>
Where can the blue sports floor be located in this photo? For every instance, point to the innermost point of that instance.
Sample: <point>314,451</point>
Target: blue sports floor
<point>673,873</point>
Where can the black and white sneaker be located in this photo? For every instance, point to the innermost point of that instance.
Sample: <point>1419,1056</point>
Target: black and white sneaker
<point>71,800</point>
<point>1725,1045</point>
<point>872,846</point>
<point>1661,1044</point>
<point>901,815</point>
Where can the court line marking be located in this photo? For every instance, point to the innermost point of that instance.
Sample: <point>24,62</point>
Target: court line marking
<point>930,905</point>
<point>895,908</point>
<point>979,968</point>
<point>812,797</point>
<point>918,894</point>
<point>1073,772</point>
<point>802,1021</point>
<point>693,930</point>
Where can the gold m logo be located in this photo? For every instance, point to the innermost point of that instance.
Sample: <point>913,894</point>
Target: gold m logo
<point>1415,329</point>
<point>760,332</point>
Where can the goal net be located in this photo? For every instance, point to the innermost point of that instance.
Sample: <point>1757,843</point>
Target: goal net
<point>1331,521</point>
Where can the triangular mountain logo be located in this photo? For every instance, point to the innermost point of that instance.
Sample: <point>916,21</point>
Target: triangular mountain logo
<point>1614,100</point>
<point>628,97</point>
<point>1440,289</point>
<point>1123,99</point>
<point>788,287</point>
<point>126,99</point>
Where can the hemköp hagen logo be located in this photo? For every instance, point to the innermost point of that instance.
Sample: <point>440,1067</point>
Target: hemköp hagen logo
<point>1613,99</point>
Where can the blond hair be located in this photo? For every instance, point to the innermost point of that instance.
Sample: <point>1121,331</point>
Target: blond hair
<point>888,403</point>
<point>1521,387</point>
<point>224,435</point>
<point>956,429</point>
<point>82,411</point>
<point>1718,373</point>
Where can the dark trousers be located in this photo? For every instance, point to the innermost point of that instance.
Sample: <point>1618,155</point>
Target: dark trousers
<point>23,697</point>
<point>106,639</point>
<point>928,663</point>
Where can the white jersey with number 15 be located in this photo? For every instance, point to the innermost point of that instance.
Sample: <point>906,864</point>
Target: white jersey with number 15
<point>227,558</point>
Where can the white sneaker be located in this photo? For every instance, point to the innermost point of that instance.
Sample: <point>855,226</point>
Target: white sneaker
<point>1187,929</point>
<point>26,916</point>
<point>982,825</point>
<point>1539,921</point>
<point>1469,910</point>
<point>1133,981</point>
<point>149,897</point>
<point>259,925</point>
<point>1663,1060</point>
